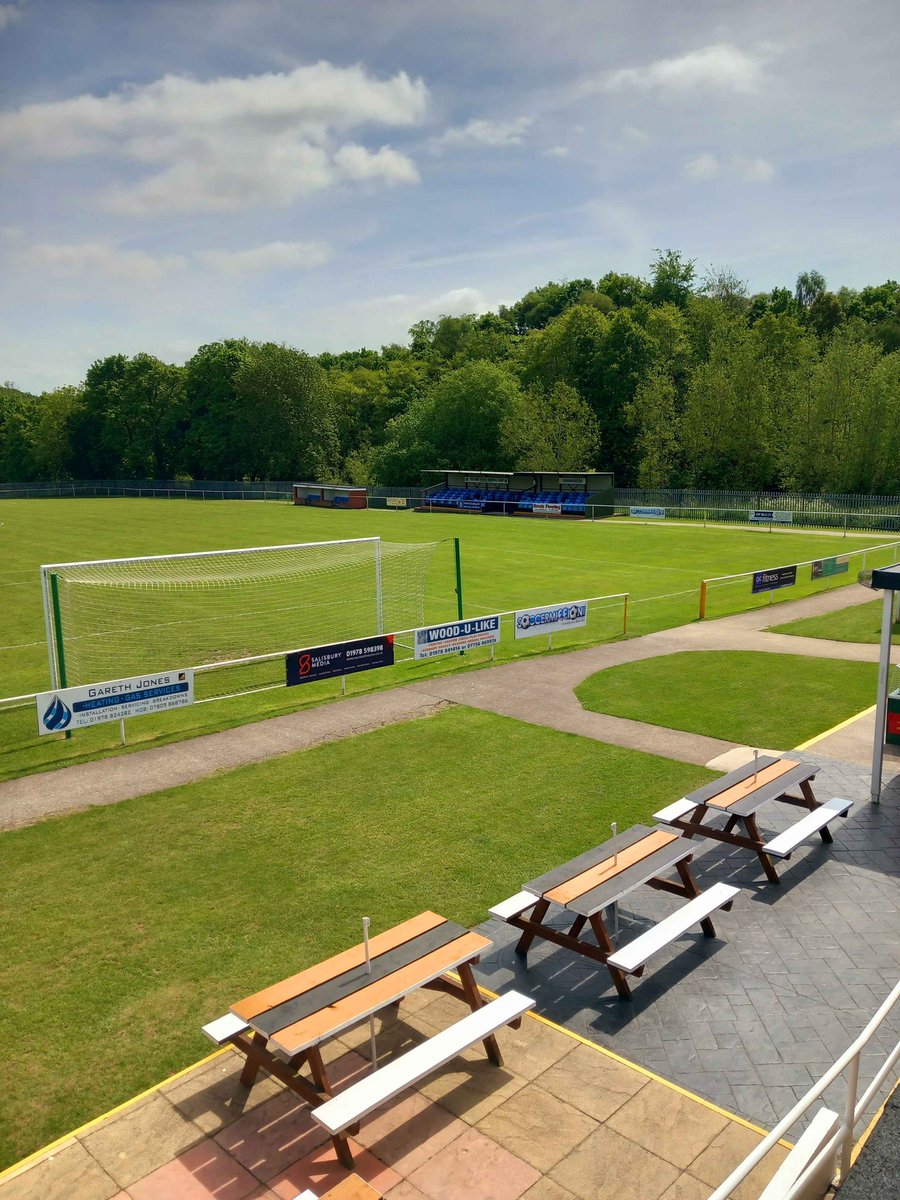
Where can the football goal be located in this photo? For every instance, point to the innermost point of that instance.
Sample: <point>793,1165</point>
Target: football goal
<point>114,618</point>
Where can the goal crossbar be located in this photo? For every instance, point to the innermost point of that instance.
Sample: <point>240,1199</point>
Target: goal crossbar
<point>104,562</point>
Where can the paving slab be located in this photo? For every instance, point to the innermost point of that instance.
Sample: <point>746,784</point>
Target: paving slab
<point>750,1018</point>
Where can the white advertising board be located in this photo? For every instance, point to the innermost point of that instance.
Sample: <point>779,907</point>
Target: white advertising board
<point>456,636</point>
<point>94,703</point>
<point>396,502</point>
<point>530,622</point>
<point>549,510</point>
<point>637,511</point>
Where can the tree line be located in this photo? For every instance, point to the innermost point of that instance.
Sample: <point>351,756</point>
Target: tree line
<point>669,381</point>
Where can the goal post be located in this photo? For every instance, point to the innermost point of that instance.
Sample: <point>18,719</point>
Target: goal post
<point>109,618</point>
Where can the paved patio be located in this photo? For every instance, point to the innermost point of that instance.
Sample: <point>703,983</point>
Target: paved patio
<point>560,1120</point>
<point>751,1019</point>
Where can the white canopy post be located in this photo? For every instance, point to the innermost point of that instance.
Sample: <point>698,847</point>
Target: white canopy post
<point>884,670</point>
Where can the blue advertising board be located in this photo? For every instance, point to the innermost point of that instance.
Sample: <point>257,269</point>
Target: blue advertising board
<point>770,581</point>
<point>341,658</point>
<point>472,505</point>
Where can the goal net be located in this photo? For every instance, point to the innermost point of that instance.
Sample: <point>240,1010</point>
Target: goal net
<point>120,617</point>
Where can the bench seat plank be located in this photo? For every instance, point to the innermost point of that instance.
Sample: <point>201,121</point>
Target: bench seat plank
<point>673,812</point>
<point>361,1098</point>
<point>785,843</point>
<point>513,906</point>
<point>633,956</point>
<point>223,1029</point>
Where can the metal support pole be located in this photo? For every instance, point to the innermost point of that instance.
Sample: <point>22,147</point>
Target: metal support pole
<point>459,591</point>
<point>702,599</point>
<point>849,1115</point>
<point>58,638</point>
<point>884,670</point>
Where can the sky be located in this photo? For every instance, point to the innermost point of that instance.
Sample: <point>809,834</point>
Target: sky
<point>325,174</point>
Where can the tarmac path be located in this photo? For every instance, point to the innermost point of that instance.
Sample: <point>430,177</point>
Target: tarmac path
<point>538,690</point>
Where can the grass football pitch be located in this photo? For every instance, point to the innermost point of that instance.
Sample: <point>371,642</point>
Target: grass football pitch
<point>507,563</point>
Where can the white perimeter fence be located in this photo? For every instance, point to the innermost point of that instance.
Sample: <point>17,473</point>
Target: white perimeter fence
<point>829,1139</point>
<point>607,617</point>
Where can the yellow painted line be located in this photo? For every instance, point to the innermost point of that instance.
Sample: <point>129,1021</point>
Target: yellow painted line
<point>30,1159</point>
<point>723,1112</point>
<point>834,729</point>
<point>857,1149</point>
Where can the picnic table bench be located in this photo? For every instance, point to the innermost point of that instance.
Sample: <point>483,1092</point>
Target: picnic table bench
<point>281,1028</point>
<point>599,879</point>
<point>741,793</point>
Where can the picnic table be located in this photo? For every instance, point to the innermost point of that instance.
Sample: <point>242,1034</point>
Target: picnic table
<point>281,1028</point>
<point>739,795</point>
<point>599,879</point>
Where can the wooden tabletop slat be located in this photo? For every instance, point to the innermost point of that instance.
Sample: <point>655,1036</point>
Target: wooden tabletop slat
<point>774,790</point>
<point>608,868</point>
<point>590,858</point>
<point>304,981</point>
<point>656,866</point>
<point>746,787</point>
<point>328,993</point>
<point>347,1011</point>
<point>701,794</point>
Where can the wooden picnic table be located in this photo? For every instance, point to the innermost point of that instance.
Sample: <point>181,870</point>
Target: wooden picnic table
<point>599,879</point>
<point>289,1021</point>
<point>739,795</point>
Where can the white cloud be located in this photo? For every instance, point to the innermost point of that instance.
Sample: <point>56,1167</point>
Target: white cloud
<point>274,256</point>
<point>754,170</point>
<point>358,164</point>
<point>455,302</point>
<point>487,133</point>
<point>704,166</point>
<point>95,260</point>
<point>719,66</point>
<point>557,152</point>
<point>9,14</point>
<point>229,143</point>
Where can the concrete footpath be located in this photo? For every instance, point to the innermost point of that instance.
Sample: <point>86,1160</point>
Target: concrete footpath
<point>538,690</point>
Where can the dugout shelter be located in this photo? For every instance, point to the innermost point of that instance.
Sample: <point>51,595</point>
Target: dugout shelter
<point>523,493</point>
<point>327,495</point>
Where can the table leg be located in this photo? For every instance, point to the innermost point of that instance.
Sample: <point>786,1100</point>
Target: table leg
<point>691,890</point>
<point>476,1000</point>
<point>538,913</point>
<point>577,925</point>
<point>753,832</point>
<point>254,1061</point>
<point>812,803</point>
<point>605,944</point>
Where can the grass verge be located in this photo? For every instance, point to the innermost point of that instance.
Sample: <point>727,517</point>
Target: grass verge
<point>861,623</point>
<point>756,699</point>
<point>133,924</point>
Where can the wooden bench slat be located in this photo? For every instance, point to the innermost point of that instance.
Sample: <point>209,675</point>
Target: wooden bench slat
<point>633,955</point>
<point>786,843</point>
<point>607,869</point>
<point>701,794</point>
<point>590,858</point>
<point>374,1090</point>
<point>513,906</point>
<point>672,812</point>
<point>223,1029</point>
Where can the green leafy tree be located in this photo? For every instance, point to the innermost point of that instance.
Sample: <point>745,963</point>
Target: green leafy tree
<point>285,422</point>
<point>554,431</point>
<point>212,448</point>
<point>671,278</point>
<point>810,285</point>
<point>654,416</point>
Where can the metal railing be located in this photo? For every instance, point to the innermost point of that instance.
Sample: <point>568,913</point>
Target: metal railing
<point>744,498</point>
<point>855,1107</point>
<point>595,604</point>
<point>890,549</point>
